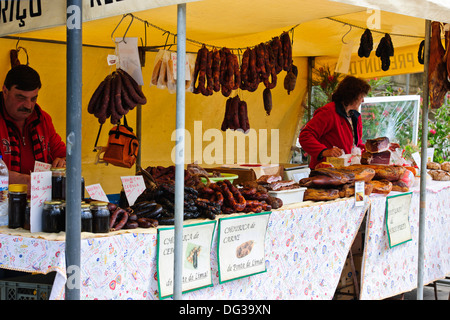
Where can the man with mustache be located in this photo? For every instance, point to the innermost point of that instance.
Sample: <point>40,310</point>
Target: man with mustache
<point>27,131</point>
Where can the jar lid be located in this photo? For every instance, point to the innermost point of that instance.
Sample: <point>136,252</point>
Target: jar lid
<point>58,169</point>
<point>85,205</point>
<point>17,188</point>
<point>52,202</point>
<point>99,203</point>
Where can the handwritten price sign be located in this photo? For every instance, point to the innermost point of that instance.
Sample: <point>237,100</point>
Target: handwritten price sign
<point>41,191</point>
<point>96,192</point>
<point>41,166</point>
<point>133,186</point>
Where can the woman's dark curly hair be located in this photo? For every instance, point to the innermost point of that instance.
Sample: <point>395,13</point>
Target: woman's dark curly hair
<point>349,90</point>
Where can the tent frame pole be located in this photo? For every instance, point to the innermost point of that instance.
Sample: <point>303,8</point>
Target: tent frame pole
<point>423,163</point>
<point>179,151</point>
<point>73,144</point>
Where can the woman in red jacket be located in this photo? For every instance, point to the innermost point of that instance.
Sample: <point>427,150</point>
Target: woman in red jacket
<point>336,127</point>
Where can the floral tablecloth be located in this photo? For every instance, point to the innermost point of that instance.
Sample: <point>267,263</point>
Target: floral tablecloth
<point>391,271</point>
<point>306,248</point>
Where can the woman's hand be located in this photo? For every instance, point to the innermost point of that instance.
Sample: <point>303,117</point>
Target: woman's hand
<point>333,152</point>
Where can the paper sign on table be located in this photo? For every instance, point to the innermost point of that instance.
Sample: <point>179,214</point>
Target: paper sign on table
<point>41,166</point>
<point>397,218</point>
<point>196,257</point>
<point>359,193</point>
<point>241,246</point>
<point>96,192</point>
<point>41,191</point>
<point>133,186</point>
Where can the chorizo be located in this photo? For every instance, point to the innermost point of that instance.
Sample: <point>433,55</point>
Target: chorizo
<point>96,97</point>
<point>270,68</point>
<point>117,94</point>
<point>244,69</point>
<point>240,200</point>
<point>267,99</point>
<point>209,75</point>
<point>123,220</point>
<point>202,57</point>
<point>102,110</point>
<point>252,75</point>
<point>215,68</point>
<point>278,54</point>
<point>287,51</point>
<point>132,87</point>
<point>243,116</point>
<point>131,225</point>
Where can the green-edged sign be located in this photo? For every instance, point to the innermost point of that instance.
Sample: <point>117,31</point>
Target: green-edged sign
<point>197,242</point>
<point>397,218</point>
<point>241,245</point>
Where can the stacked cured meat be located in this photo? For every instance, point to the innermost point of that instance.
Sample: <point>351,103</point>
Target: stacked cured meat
<point>332,183</point>
<point>377,151</point>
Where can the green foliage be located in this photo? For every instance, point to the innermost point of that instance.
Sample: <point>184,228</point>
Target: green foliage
<point>439,132</point>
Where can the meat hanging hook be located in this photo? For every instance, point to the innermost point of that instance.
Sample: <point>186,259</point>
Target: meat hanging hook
<point>342,39</point>
<point>126,31</point>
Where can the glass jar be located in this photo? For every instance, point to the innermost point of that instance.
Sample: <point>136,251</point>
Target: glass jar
<point>58,183</point>
<point>26,221</point>
<point>17,205</point>
<point>86,218</point>
<point>51,216</point>
<point>100,217</point>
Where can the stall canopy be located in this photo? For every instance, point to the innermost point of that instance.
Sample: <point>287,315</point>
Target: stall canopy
<point>238,24</point>
<point>318,28</point>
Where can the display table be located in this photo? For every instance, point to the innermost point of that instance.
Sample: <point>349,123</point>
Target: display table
<point>306,248</point>
<point>391,271</point>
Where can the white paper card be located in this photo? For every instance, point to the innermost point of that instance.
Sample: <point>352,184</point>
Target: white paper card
<point>188,72</point>
<point>112,59</point>
<point>41,166</point>
<point>41,191</point>
<point>133,186</point>
<point>96,192</point>
<point>397,218</point>
<point>345,57</point>
<point>241,246</point>
<point>129,58</point>
<point>196,258</point>
<point>359,193</point>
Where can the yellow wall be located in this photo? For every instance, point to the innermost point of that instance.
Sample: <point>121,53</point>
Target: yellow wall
<point>158,115</point>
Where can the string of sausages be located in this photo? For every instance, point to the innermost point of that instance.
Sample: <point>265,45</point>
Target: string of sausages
<point>219,70</point>
<point>115,96</point>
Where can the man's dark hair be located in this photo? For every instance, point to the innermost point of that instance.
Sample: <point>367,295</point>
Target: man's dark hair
<point>23,77</point>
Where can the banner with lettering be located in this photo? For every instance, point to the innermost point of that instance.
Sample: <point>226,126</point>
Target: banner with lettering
<point>196,257</point>
<point>404,61</point>
<point>397,218</point>
<point>18,16</point>
<point>241,245</point>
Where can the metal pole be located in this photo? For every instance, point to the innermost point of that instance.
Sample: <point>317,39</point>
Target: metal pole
<point>423,163</point>
<point>179,152</point>
<point>73,154</point>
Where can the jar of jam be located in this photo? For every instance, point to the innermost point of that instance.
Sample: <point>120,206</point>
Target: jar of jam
<point>100,217</point>
<point>58,183</point>
<point>86,218</point>
<point>62,220</point>
<point>17,205</point>
<point>26,222</point>
<point>51,216</point>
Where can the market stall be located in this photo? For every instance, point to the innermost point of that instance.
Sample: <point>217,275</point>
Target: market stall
<point>283,119</point>
<point>306,248</point>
